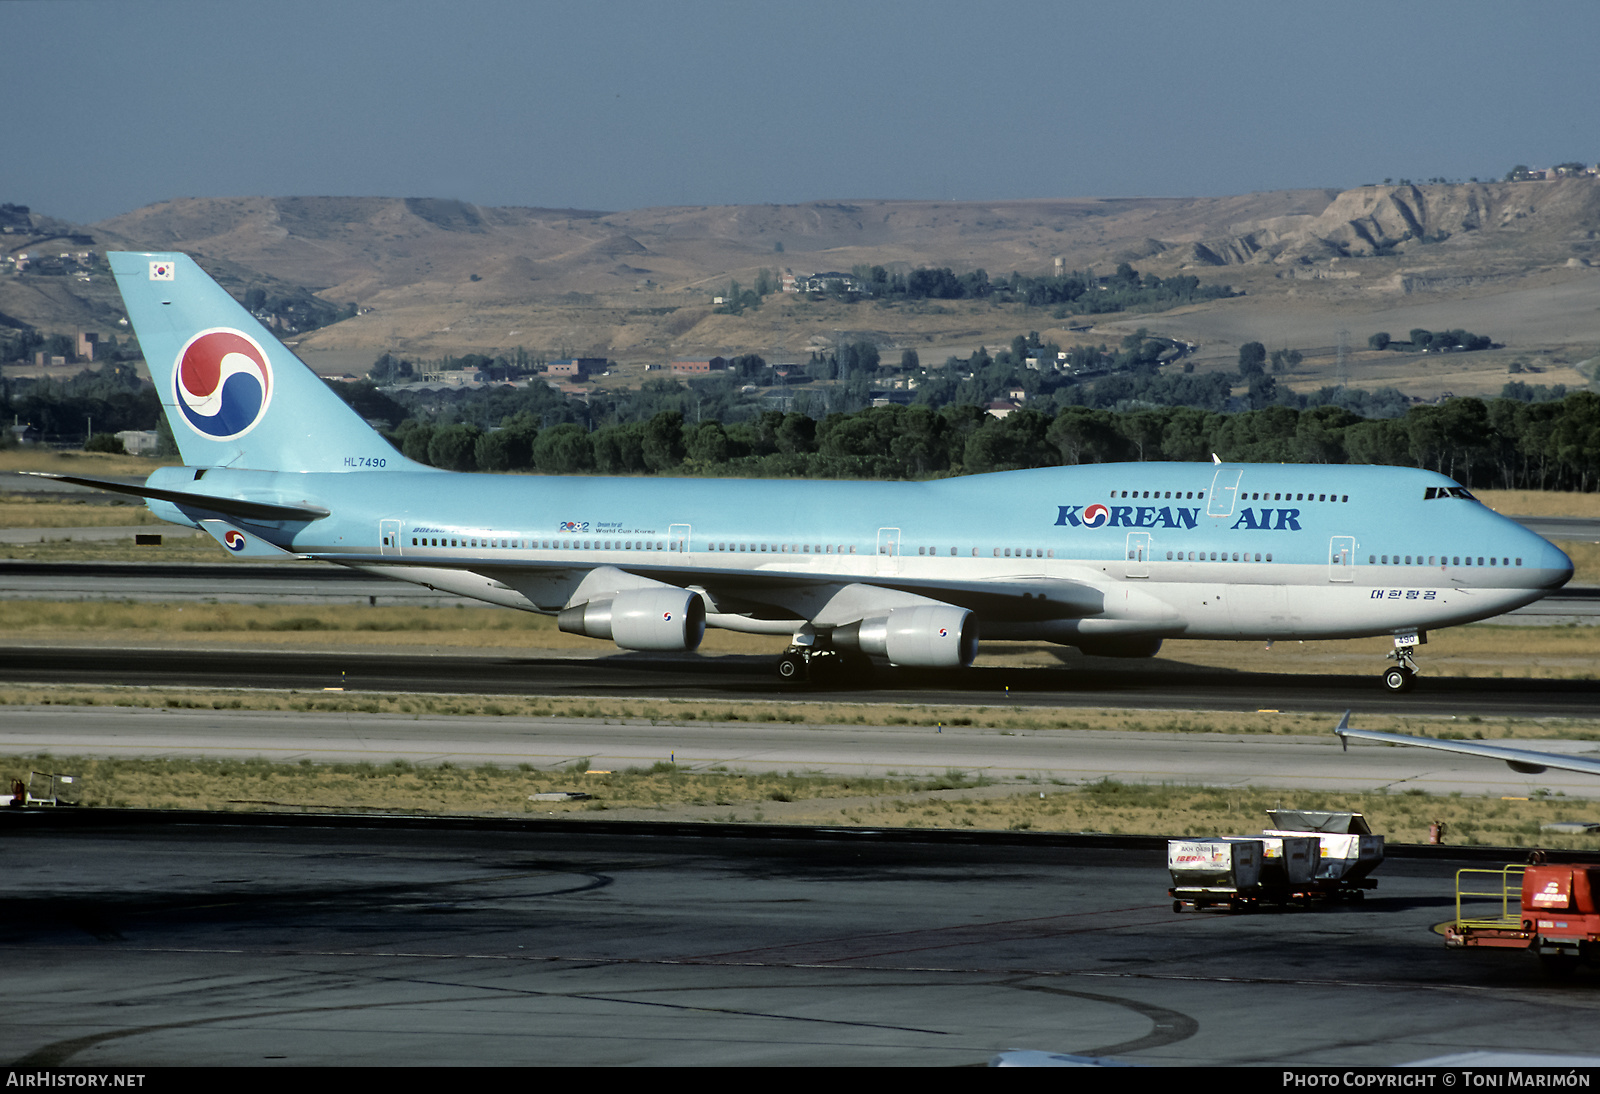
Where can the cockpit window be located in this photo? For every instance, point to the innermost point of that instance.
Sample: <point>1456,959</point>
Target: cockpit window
<point>1447,492</point>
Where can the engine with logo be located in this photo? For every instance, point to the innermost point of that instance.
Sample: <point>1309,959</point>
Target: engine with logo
<point>925,636</point>
<point>658,618</point>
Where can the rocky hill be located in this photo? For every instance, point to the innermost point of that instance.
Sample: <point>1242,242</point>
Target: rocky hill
<point>1374,220</point>
<point>441,276</point>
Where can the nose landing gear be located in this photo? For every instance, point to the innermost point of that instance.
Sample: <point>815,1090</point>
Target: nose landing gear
<point>1403,675</point>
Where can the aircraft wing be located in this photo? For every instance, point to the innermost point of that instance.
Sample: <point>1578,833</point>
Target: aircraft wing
<point>1018,596</point>
<point>1526,760</point>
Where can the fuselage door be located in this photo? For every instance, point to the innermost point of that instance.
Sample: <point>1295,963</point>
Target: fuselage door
<point>1224,488</point>
<point>1342,558</point>
<point>389,537</point>
<point>888,550</point>
<point>1138,554</point>
<point>678,538</point>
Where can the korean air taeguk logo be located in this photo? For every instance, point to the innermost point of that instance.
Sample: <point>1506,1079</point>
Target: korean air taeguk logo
<point>222,382</point>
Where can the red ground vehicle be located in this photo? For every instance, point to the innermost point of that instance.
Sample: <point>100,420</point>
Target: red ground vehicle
<point>1555,915</point>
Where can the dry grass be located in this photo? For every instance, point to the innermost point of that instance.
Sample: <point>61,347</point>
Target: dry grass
<point>177,545</point>
<point>1540,503</point>
<point>93,464</point>
<point>401,786</point>
<point>668,792</point>
<point>1118,809</point>
<point>22,511</point>
<point>314,626</point>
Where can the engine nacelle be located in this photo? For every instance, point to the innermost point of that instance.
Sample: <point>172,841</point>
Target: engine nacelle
<point>935,636</point>
<point>641,619</point>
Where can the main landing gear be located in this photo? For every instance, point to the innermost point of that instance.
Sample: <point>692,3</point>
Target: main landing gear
<point>1403,675</point>
<point>821,665</point>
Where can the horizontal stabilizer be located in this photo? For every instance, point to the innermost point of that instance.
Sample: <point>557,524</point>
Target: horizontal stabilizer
<point>232,507</point>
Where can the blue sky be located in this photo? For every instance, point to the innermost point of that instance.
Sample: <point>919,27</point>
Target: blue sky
<point>113,105</point>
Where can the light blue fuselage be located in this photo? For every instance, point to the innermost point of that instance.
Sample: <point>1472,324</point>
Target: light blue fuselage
<point>1270,551</point>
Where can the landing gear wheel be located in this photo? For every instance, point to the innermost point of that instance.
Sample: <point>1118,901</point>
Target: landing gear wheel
<point>1399,679</point>
<point>792,668</point>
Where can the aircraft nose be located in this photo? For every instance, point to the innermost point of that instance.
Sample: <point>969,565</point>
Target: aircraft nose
<point>1555,566</point>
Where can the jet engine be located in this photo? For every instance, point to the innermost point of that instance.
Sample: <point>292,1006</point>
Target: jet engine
<point>658,618</point>
<point>925,636</point>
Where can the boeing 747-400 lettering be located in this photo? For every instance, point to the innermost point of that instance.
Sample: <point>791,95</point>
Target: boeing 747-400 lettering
<point>1110,558</point>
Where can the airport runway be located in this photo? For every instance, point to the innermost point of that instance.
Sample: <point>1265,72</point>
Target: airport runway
<point>689,676</point>
<point>1065,756</point>
<point>294,942</point>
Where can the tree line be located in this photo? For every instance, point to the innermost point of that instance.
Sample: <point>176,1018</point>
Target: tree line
<point>1496,443</point>
<point>1078,292</point>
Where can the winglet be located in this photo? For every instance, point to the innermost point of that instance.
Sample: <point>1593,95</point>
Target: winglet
<point>1344,724</point>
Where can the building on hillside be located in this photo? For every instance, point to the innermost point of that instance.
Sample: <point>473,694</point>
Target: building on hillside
<point>714,364</point>
<point>832,281</point>
<point>576,366</point>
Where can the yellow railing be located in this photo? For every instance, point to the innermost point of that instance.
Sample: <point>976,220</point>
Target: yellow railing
<point>1503,885</point>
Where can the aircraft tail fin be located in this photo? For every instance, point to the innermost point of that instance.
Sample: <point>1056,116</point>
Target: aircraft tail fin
<point>234,395</point>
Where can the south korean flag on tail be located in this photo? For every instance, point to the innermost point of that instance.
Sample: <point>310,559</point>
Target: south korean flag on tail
<point>162,271</point>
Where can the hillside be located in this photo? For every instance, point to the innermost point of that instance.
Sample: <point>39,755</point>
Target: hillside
<point>436,276</point>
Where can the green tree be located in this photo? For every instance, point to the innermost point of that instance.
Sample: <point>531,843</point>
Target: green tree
<point>707,444</point>
<point>619,449</point>
<point>105,442</point>
<point>455,447</point>
<point>663,441</point>
<point>563,450</point>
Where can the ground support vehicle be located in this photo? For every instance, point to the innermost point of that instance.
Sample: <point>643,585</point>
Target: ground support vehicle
<point>1548,909</point>
<point>1347,851</point>
<point>1308,856</point>
<point>1242,872</point>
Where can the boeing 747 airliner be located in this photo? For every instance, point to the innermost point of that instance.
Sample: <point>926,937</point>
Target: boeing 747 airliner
<point>1110,558</point>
